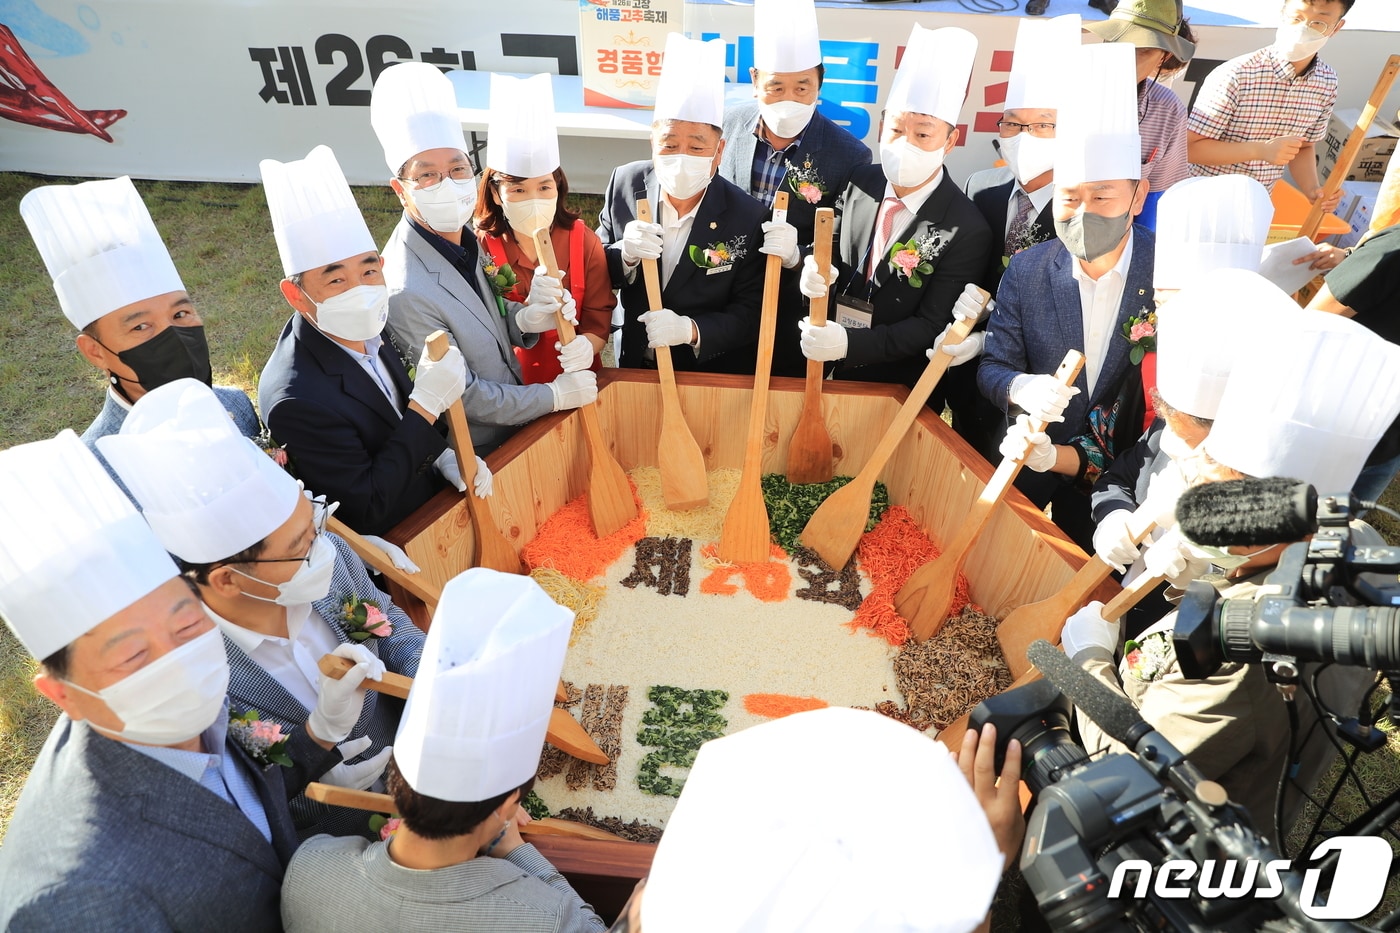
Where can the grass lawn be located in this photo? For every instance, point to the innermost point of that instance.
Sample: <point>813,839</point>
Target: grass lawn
<point>221,240</point>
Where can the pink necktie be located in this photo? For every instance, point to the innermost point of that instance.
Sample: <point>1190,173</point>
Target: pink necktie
<point>888,209</point>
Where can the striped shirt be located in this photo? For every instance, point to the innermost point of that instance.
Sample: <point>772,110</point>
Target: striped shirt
<point>1258,97</point>
<point>1162,123</point>
<point>769,165</point>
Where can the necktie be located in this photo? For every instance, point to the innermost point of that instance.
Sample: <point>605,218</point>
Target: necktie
<point>889,209</point>
<point>1018,233</point>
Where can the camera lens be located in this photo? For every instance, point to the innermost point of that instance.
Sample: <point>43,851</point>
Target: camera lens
<point>1038,716</point>
<point>1361,636</point>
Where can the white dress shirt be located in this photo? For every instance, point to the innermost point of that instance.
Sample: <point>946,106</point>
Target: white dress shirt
<point>291,661</point>
<point>675,234</point>
<point>1098,304</point>
<point>904,215</point>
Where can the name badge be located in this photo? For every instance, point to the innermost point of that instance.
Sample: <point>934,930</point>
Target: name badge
<point>854,313</point>
<point>713,270</point>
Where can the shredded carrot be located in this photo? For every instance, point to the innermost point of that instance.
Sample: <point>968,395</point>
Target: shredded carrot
<point>769,580</point>
<point>777,705</point>
<point>890,554</point>
<point>566,542</point>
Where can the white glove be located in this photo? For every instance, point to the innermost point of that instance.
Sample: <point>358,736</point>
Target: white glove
<point>968,350</point>
<point>780,239</point>
<point>482,483</point>
<point>825,343</point>
<point>1043,397</point>
<point>338,702</point>
<point>640,240</point>
<point>439,383</point>
<point>1173,557</point>
<point>969,304</point>
<point>1087,628</point>
<point>811,283</point>
<point>446,464</point>
<point>1113,542</point>
<point>666,328</point>
<point>546,293</point>
<point>576,355</point>
<point>574,390</point>
<point>396,556</point>
<point>1033,448</point>
<point>363,774</point>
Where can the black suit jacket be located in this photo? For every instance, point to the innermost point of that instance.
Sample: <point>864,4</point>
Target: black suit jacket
<point>724,303</point>
<point>992,200</point>
<point>344,437</point>
<point>906,320</point>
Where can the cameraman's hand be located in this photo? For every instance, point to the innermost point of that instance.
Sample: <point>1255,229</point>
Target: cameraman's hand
<point>1000,800</point>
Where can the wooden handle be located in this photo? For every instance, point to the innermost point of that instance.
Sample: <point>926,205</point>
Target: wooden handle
<point>651,275</point>
<point>821,255</point>
<point>394,685</point>
<point>1132,594</point>
<point>381,562</point>
<point>437,345</point>
<point>544,253</point>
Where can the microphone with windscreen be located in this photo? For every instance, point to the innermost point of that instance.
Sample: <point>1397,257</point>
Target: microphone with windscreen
<point>1248,512</point>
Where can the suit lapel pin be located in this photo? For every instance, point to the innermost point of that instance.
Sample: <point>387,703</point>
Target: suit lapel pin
<point>1142,291</point>
<point>713,224</point>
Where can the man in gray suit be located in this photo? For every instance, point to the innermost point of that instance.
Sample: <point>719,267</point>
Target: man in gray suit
<point>149,807</point>
<point>435,269</point>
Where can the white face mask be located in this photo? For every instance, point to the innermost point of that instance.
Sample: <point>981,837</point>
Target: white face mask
<point>1297,42</point>
<point>447,207</point>
<point>525,217</point>
<point>786,118</point>
<point>311,582</point>
<point>1188,459</point>
<point>1028,156</point>
<point>357,313</point>
<point>908,166</point>
<point>172,699</point>
<point>683,176</point>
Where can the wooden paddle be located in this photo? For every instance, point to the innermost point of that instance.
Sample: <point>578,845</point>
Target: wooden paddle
<point>1026,624</point>
<point>564,732</point>
<point>610,501</point>
<point>380,561</point>
<point>835,527</point>
<point>1132,594</point>
<point>683,481</point>
<point>334,796</point>
<point>809,452</point>
<point>745,539</point>
<point>492,549</point>
<point>926,597</point>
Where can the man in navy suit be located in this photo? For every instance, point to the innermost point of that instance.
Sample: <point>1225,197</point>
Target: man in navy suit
<point>780,141</point>
<point>706,232</point>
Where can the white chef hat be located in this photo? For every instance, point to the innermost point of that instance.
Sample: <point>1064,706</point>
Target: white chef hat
<point>785,35</point>
<point>1206,327</point>
<point>413,108</point>
<point>826,860</point>
<point>99,245</point>
<point>207,491</point>
<point>73,550</point>
<point>692,81</point>
<point>1043,51</point>
<point>1215,222</point>
<point>522,139</point>
<point>315,219</point>
<point>933,74</point>
<point>475,720</point>
<point>1308,401</point>
<point>1097,126</point>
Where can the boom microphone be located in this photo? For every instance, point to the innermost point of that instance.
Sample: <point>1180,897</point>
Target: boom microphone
<point>1248,512</point>
<point>1110,711</point>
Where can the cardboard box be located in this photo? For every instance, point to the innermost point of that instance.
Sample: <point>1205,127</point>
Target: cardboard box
<point>1357,207</point>
<point>1375,153</point>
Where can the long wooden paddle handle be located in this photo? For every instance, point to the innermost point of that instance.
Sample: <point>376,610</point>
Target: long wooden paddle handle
<point>758,405</point>
<point>1355,141</point>
<point>1132,594</point>
<point>816,309</point>
<point>437,345</point>
<point>381,562</point>
<point>390,684</point>
<point>651,275</point>
<point>334,796</point>
<point>544,253</point>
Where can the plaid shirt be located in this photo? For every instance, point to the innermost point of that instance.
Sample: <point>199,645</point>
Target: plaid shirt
<point>769,166</point>
<point>1259,96</point>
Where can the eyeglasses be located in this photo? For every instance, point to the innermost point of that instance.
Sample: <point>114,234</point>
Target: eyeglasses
<point>1316,25</point>
<point>320,513</point>
<point>1009,128</point>
<point>430,180</point>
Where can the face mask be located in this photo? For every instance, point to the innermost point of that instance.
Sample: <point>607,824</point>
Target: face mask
<point>357,313</point>
<point>1028,156</point>
<point>786,118</point>
<point>525,217</point>
<point>172,699</point>
<point>1297,42</point>
<point>174,353</point>
<point>683,176</point>
<point>1088,236</point>
<point>447,207</point>
<point>311,582</point>
<point>907,165</point>
<point>1173,446</point>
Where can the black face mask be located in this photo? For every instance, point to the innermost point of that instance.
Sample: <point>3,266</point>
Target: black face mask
<point>174,353</point>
